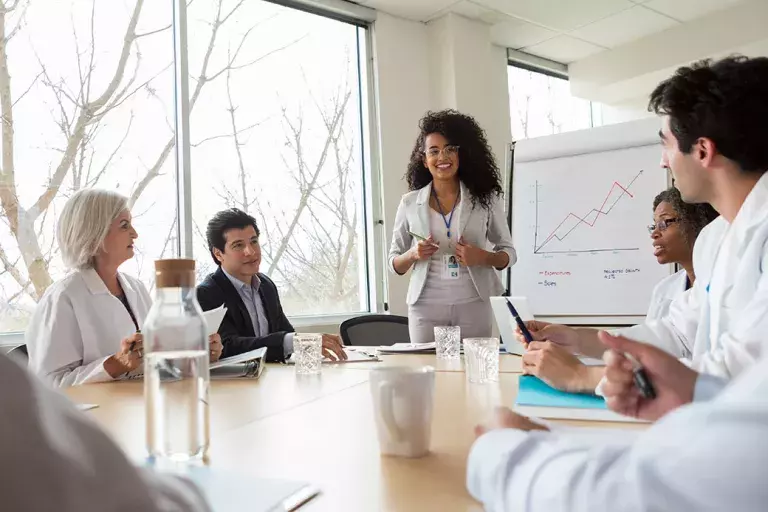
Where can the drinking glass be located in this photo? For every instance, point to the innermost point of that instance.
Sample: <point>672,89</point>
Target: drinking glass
<point>447,342</point>
<point>307,353</point>
<point>481,358</point>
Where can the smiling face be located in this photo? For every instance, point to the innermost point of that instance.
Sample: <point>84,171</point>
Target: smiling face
<point>441,158</point>
<point>669,245</point>
<point>241,256</point>
<point>118,244</point>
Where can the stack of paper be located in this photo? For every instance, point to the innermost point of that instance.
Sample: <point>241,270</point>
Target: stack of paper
<point>536,398</point>
<point>353,356</point>
<point>213,318</point>
<point>408,348</point>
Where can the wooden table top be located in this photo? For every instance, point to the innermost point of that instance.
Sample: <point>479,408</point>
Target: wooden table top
<point>320,429</point>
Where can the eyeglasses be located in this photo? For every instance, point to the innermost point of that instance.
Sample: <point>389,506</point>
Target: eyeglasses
<point>662,225</point>
<point>448,150</point>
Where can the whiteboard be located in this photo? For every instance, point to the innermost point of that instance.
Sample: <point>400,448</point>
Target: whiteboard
<point>581,204</point>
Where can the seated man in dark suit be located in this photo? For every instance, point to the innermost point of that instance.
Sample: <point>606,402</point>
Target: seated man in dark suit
<point>254,317</point>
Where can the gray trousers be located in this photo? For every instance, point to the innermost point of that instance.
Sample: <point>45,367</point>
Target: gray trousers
<point>474,318</point>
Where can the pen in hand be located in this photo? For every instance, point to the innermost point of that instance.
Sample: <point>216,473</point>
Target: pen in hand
<point>520,323</point>
<point>422,239</point>
<point>641,379</point>
<point>132,347</point>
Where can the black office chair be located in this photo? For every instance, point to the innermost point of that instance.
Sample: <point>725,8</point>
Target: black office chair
<point>19,353</point>
<point>375,330</point>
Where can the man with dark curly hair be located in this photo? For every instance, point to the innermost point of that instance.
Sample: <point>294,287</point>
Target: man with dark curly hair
<point>453,213</point>
<point>709,455</point>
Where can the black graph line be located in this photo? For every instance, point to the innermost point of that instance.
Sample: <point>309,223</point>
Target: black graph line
<point>596,211</point>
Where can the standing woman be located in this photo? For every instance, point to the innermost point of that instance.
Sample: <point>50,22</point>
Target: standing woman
<point>451,228</point>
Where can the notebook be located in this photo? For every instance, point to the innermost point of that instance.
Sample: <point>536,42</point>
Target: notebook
<point>538,399</point>
<point>408,348</point>
<point>248,365</point>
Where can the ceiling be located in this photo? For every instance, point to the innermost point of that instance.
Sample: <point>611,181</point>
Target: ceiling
<point>561,30</point>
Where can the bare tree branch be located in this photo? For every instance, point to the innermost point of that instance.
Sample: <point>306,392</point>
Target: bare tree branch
<point>11,268</point>
<point>86,113</point>
<point>240,131</point>
<point>20,23</point>
<point>31,85</point>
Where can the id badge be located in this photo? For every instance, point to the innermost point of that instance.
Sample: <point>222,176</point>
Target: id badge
<point>450,267</point>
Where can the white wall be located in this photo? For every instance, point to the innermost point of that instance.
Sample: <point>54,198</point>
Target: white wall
<point>402,87</point>
<point>622,113</point>
<point>470,75</point>
<point>447,63</point>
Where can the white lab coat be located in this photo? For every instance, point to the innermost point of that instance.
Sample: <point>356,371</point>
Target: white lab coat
<point>664,293</point>
<point>56,459</point>
<point>78,324</point>
<point>738,307</point>
<point>704,457</point>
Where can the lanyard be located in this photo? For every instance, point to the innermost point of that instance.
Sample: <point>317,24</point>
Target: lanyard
<point>450,217</point>
<point>124,299</point>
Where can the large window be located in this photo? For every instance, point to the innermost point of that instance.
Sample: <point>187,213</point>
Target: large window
<point>86,92</point>
<point>88,100</point>
<point>541,104</point>
<point>276,132</point>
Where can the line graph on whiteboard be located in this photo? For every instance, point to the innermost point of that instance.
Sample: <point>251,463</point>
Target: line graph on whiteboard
<point>587,230</point>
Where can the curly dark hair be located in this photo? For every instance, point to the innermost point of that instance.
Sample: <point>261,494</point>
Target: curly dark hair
<point>724,101</point>
<point>692,217</point>
<point>477,167</point>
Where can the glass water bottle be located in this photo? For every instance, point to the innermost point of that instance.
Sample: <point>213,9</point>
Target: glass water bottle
<point>176,377</point>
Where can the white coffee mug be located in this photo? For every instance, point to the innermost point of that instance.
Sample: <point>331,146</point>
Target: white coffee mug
<point>402,406</point>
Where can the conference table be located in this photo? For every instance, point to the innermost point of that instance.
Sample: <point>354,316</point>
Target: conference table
<point>320,429</point>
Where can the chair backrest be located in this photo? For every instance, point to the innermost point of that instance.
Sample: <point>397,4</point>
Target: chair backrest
<point>19,353</point>
<point>375,330</point>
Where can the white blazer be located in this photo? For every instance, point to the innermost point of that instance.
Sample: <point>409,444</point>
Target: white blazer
<point>703,457</point>
<point>664,293</point>
<point>739,306</point>
<point>481,227</point>
<point>78,324</point>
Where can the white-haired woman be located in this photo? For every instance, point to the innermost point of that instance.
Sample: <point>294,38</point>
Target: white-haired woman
<point>86,328</point>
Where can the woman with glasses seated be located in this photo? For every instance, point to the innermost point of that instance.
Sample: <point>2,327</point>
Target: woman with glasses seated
<point>674,231</point>
<point>676,225</point>
<point>451,229</point>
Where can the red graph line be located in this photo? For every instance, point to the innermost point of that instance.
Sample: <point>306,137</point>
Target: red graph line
<point>598,212</point>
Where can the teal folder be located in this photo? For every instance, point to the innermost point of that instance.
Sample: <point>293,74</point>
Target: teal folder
<point>534,392</point>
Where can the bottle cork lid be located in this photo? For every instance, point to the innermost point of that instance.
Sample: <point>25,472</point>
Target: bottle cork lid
<point>175,273</point>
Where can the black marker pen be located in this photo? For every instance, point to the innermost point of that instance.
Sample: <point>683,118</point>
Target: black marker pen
<point>520,324</point>
<point>641,379</point>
